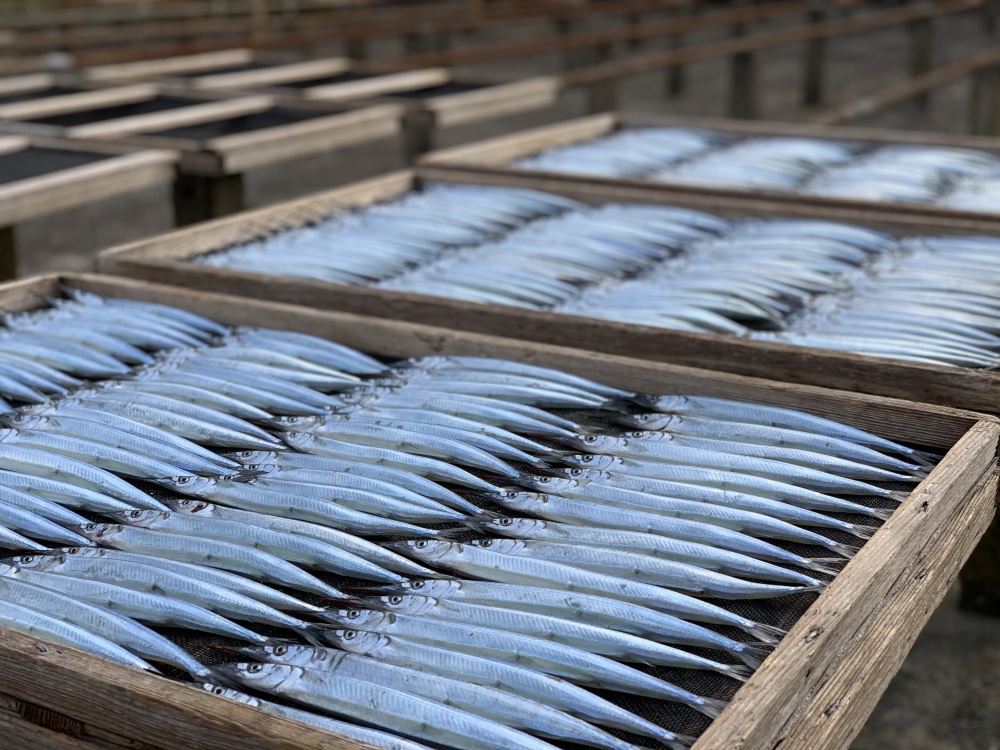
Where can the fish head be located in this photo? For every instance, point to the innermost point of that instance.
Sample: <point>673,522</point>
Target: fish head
<point>294,655</point>
<point>650,421</point>
<point>407,605</point>
<point>586,476</point>
<point>503,546</point>
<point>591,461</point>
<point>263,677</point>
<point>190,507</point>
<point>551,485</point>
<point>653,436</point>
<point>423,549</point>
<point>252,457</point>
<point>25,421</point>
<point>595,443</point>
<point>437,589</point>
<point>234,695</point>
<point>516,527</point>
<point>82,552</point>
<point>98,532</point>
<point>188,484</point>
<point>357,641</point>
<point>296,439</point>
<point>262,469</point>
<point>38,562</point>
<point>361,619</point>
<point>662,404</point>
<point>296,424</point>
<point>518,499</point>
<point>143,518</point>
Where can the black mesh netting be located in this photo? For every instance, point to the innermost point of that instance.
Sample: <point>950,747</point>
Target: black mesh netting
<point>782,612</point>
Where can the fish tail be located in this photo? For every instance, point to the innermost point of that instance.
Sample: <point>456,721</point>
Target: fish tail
<point>829,565</point>
<point>844,550</point>
<point>739,672</point>
<point>899,495</point>
<point>752,656</point>
<point>679,742</point>
<point>221,680</point>
<point>882,514</point>
<point>309,635</point>
<point>767,633</point>
<point>711,707</point>
<point>861,532</point>
<point>925,459</point>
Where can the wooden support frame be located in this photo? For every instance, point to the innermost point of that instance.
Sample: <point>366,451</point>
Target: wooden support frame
<point>495,156</point>
<point>896,579</point>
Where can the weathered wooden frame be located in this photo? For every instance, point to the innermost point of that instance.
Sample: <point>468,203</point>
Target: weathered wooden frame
<point>865,621</point>
<point>166,259</point>
<point>493,156</point>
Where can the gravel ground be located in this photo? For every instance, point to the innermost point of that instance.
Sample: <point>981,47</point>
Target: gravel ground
<point>947,695</point>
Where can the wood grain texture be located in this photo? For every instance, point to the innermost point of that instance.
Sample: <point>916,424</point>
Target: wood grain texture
<point>812,652</point>
<point>57,105</point>
<point>272,76</point>
<point>378,85</point>
<point>494,101</point>
<point>196,114</point>
<point>880,647</point>
<point>25,83</point>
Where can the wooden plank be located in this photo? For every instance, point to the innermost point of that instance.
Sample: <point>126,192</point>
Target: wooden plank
<point>810,654</point>
<point>9,144</point>
<point>46,194</point>
<point>8,253</point>
<point>273,76</point>
<point>258,148</point>
<point>58,105</point>
<point>378,85</point>
<point>18,733</point>
<point>837,711</point>
<point>493,102</point>
<point>172,118</point>
<point>26,83</point>
<point>163,714</point>
<point>158,67</point>
<point>909,88</point>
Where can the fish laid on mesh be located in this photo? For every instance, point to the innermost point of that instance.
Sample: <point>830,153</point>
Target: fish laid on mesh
<point>470,552</point>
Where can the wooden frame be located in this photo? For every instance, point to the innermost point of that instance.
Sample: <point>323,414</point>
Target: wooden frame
<point>494,156</point>
<point>897,579</point>
<point>116,170</point>
<point>165,259</point>
<point>210,181</point>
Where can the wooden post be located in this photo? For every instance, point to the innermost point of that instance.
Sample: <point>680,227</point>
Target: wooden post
<point>675,73</point>
<point>812,94</point>
<point>418,133</point>
<point>202,198</point>
<point>921,51</point>
<point>634,21</point>
<point>357,48</point>
<point>980,576</point>
<point>991,15</point>
<point>743,93</point>
<point>424,41</point>
<point>602,96</point>
<point>984,102</point>
<point>8,254</point>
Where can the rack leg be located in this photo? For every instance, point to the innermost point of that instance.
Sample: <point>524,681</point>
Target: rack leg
<point>203,198</point>
<point>357,49</point>
<point>603,95</point>
<point>743,101</point>
<point>8,254</point>
<point>812,94</point>
<point>418,134</point>
<point>980,576</point>
<point>921,52</point>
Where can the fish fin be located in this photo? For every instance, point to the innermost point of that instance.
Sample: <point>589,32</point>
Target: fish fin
<point>752,656</point>
<point>306,633</point>
<point>739,672</point>
<point>899,495</point>
<point>926,459</point>
<point>862,532</point>
<point>221,680</point>
<point>680,742</point>
<point>710,707</point>
<point>829,565</point>
<point>766,633</point>
<point>845,550</point>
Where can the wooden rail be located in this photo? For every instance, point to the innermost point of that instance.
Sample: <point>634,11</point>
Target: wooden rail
<point>603,78</point>
<point>984,118</point>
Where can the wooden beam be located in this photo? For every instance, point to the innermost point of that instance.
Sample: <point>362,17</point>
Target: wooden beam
<point>909,88</point>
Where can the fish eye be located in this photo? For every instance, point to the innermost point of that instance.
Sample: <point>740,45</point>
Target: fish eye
<point>280,650</point>
<point>26,559</point>
<point>586,459</point>
<point>506,522</point>
<point>134,513</point>
<point>73,550</point>
<point>183,480</point>
<point>590,439</point>
<point>395,600</point>
<point>576,472</point>
<point>511,495</point>
<point>417,584</point>
<point>218,691</point>
<point>255,668</point>
<point>244,454</point>
<point>354,614</point>
<point>421,544</point>
<point>90,527</point>
<point>350,635</point>
<point>485,542</point>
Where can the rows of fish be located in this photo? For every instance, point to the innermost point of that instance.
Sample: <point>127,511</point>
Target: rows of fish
<point>447,550</point>
<point>955,177</point>
<point>807,282</point>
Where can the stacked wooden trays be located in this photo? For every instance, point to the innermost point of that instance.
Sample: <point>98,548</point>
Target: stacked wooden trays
<point>496,156</point>
<point>814,691</point>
